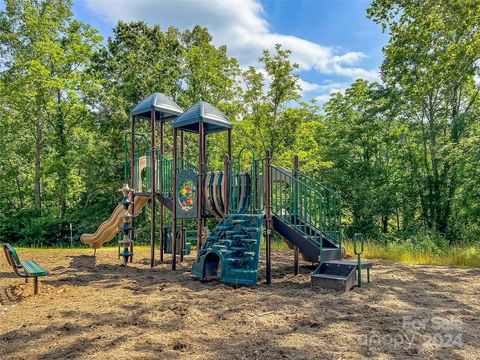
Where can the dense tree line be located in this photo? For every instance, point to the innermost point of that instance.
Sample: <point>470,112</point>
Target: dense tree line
<point>404,153</point>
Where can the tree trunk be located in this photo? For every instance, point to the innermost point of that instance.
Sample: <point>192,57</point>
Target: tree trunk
<point>63,173</point>
<point>426,199</point>
<point>62,156</point>
<point>38,159</point>
<point>436,190</point>
<point>385,224</point>
<point>20,195</point>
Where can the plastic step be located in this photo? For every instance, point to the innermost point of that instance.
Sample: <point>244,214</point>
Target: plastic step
<point>248,241</point>
<point>238,221</point>
<point>226,252</point>
<point>330,276</point>
<point>331,269</point>
<point>239,236</point>
<point>222,227</point>
<point>331,254</point>
<point>365,264</point>
<point>334,282</point>
<point>249,228</point>
<point>237,248</point>
<point>233,260</point>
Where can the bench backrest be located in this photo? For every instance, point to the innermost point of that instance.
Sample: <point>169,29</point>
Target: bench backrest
<point>12,256</point>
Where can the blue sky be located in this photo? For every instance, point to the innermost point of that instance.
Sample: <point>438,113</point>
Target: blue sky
<point>332,40</point>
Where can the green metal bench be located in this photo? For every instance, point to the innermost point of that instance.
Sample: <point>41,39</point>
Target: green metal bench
<point>24,269</point>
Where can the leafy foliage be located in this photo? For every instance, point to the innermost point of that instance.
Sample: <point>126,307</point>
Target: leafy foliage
<point>404,154</point>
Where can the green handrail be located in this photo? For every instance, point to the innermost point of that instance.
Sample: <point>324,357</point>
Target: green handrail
<point>332,220</point>
<point>258,178</point>
<point>297,203</point>
<point>312,182</point>
<point>165,168</point>
<point>256,171</point>
<point>184,164</point>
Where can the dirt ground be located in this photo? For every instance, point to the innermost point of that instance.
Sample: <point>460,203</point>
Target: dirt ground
<point>91,308</point>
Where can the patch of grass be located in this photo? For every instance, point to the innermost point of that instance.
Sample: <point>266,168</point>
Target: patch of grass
<point>468,256</point>
<point>276,245</point>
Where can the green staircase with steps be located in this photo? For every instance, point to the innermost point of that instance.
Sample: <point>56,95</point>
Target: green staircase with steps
<point>308,215</point>
<point>231,252</point>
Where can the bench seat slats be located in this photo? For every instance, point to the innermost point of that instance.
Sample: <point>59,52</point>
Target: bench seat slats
<point>31,268</point>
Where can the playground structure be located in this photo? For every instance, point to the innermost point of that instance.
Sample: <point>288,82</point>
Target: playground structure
<point>306,214</point>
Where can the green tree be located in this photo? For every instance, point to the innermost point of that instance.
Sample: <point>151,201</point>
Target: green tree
<point>269,98</point>
<point>45,85</point>
<point>431,60</point>
<point>357,140</point>
<point>209,73</point>
<point>139,60</point>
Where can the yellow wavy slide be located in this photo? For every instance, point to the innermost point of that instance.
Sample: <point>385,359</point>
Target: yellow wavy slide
<point>109,228</point>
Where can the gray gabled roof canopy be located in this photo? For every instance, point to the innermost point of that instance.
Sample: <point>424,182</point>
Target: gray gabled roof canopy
<point>212,118</point>
<point>165,108</point>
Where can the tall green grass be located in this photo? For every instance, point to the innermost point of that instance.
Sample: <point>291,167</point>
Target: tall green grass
<point>465,256</point>
<point>416,253</point>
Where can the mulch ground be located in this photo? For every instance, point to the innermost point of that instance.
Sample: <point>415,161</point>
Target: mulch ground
<point>92,308</point>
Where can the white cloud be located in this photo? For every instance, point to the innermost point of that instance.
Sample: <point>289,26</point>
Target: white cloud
<point>322,99</point>
<point>327,88</point>
<point>307,86</point>
<point>239,24</point>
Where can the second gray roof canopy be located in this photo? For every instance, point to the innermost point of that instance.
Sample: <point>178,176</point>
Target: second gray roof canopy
<point>213,119</point>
